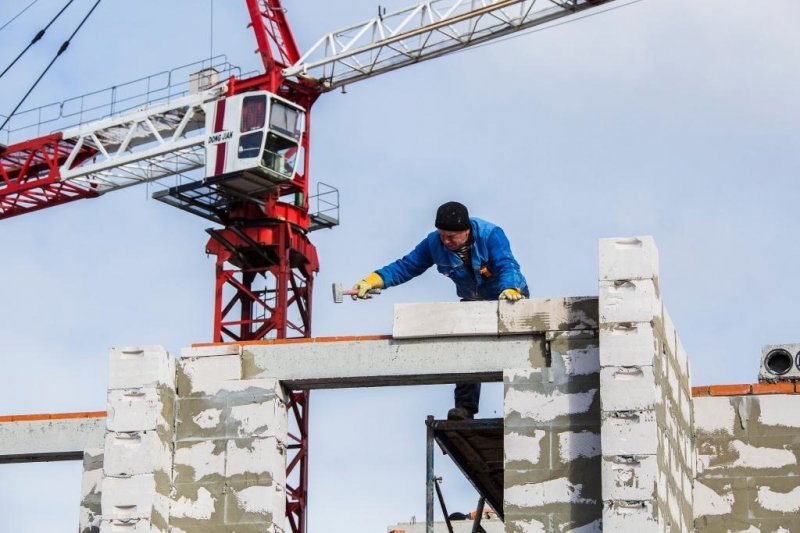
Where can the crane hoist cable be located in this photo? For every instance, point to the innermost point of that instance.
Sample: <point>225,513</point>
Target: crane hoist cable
<point>36,37</point>
<point>61,50</point>
<point>15,17</point>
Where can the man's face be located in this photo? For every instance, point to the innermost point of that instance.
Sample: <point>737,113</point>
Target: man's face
<point>453,240</point>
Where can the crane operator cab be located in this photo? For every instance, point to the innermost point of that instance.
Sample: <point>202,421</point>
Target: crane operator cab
<point>253,142</point>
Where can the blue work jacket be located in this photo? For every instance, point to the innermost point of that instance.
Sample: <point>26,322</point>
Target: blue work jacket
<point>493,268</point>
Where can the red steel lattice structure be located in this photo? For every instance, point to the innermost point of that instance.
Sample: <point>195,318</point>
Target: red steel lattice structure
<point>264,257</point>
<point>30,175</point>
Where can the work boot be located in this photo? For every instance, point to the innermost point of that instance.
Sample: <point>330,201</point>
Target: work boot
<point>460,413</point>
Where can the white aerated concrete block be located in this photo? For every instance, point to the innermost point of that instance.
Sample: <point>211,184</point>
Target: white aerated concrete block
<point>264,500</point>
<point>683,359</point>
<point>135,367</point>
<point>128,454</point>
<point>629,517</point>
<point>710,502</point>
<point>629,301</point>
<point>205,458</point>
<point>716,414</point>
<point>263,419</point>
<point>256,456</point>
<point>628,258</point>
<point>445,319</point>
<point>778,410</point>
<point>670,335</point>
<point>130,498</point>
<point>266,384</point>
<point>547,314</point>
<point>627,388</point>
<point>91,483</point>
<point>211,350</point>
<point>537,407</point>
<point>207,375</point>
<point>137,410</point>
<point>627,344</point>
<point>126,526</point>
<point>629,477</point>
<point>629,433</point>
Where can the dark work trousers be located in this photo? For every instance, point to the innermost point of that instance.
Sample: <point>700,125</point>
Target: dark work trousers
<point>468,394</point>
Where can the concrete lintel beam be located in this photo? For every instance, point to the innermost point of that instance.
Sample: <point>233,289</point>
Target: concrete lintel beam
<point>30,441</point>
<point>382,362</point>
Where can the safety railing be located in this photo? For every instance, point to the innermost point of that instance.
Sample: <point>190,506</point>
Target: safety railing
<point>155,89</point>
<point>323,207</point>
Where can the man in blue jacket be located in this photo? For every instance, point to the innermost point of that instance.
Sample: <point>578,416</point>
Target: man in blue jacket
<point>476,255</point>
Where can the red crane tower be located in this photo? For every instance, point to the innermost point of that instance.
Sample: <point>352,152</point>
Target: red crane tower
<point>251,135</point>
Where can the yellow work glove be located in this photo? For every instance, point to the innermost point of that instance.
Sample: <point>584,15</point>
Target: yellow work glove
<point>511,294</point>
<point>371,282</point>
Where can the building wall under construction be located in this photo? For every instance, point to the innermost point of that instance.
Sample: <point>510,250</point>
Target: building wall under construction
<point>748,445</point>
<point>647,440</point>
<point>190,447</point>
<point>600,426</point>
<point>552,434</point>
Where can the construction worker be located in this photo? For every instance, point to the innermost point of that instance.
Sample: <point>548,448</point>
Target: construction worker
<point>476,255</point>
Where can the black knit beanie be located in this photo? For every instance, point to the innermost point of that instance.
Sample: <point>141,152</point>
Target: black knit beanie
<point>452,216</point>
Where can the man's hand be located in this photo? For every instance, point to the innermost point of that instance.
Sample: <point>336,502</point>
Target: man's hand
<point>371,282</point>
<point>511,294</point>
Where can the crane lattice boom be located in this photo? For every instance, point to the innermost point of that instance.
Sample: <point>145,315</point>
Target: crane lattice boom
<point>425,31</point>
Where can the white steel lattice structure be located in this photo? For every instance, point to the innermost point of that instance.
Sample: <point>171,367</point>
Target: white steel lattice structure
<point>142,146</point>
<point>425,31</point>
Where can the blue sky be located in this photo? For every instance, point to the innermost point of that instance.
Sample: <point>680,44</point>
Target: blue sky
<point>674,119</point>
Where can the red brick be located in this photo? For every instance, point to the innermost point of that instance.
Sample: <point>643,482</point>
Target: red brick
<point>700,391</point>
<point>786,387</point>
<point>729,390</point>
<point>89,414</point>
<point>28,418</point>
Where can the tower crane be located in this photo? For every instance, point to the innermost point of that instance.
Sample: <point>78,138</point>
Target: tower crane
<point>250,137</point>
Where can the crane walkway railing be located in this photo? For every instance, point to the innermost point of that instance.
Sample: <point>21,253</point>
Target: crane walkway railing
<point>162,87</point>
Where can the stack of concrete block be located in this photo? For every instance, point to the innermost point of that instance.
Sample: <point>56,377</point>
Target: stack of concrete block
<point>91,482</point>
<point>552,422</point>
<point>748,446</point>
<point>230,448</point>
<point>647,439</point>
<point>137,458</point>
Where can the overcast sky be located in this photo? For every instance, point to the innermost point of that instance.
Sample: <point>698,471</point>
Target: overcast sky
<point>672,118</point>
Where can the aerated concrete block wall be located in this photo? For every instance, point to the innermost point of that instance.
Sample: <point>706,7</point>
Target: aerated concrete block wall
<point>552,418</point>
<point>647,437</point>
<point>137,458</point>
<point>192,449</point>
<point>230,447</point>
<point>551,401</point>
<point>748,446</point>
<point>91,481</point>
